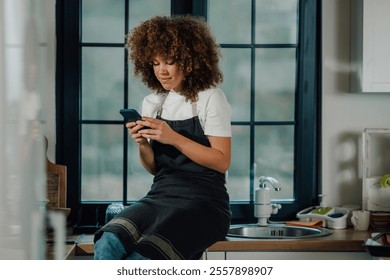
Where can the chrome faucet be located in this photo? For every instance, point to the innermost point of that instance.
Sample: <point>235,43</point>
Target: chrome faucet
<point>263,207</point>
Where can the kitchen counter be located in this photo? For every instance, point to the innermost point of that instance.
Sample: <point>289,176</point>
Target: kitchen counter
<point>341,240</point>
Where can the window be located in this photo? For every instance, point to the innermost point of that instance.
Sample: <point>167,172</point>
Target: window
<point>270,80</point>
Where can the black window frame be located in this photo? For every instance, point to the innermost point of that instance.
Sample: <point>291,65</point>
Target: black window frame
<point>87,217</point>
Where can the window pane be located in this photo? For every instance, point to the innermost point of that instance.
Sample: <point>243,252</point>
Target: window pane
<point>102,83</point>
<point>230,20</point>
<point>236,68</point>
<point>239,171</point>
<point>103,21</point>
<point>275,84</point>
<point>137,90</point>
<point>138,179</point>
<point>274,157</point>
<point>140,10</point>
<point>102,162</point>
<point>276,21</point>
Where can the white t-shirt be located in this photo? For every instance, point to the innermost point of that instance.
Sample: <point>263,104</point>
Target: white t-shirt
<point>212,107</point>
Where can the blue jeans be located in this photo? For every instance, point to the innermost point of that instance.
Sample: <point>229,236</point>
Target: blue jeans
<point>109,247</point>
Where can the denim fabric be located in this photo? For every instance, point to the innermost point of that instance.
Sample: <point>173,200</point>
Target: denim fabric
<point>109,247</point>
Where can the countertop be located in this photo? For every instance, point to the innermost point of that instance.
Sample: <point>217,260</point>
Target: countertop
<point>341,240</point>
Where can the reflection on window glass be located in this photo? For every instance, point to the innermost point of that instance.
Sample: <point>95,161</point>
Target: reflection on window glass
<point>103,21</point>
<point>236,67</point>
<point>275,84</point>
<point>276,21</point>
<point>238,175</point>
<point>102,83</point>
<point>102,162</point>
<point>230,20</point>
<point>274,156</point>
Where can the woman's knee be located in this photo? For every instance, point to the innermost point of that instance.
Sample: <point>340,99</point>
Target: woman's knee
<point>109,247</point>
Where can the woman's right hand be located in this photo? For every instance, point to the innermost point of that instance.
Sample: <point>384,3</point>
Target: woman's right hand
<point>145,150</point>
<point>133,129</point>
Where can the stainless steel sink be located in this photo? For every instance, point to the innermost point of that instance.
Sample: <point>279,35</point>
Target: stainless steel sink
<point>276,231</point>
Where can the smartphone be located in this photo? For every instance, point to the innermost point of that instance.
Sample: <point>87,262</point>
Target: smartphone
<point>130,115</point>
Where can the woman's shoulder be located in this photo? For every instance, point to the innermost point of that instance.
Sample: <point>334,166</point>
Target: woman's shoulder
<point>214,93</point>
<point>153,98</point>
<point>151,103</point>
<point>215,112</point>
<point>213,102</point>
<point>213,97</point>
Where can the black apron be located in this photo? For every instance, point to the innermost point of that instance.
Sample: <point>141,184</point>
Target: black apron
<point>186,210</point>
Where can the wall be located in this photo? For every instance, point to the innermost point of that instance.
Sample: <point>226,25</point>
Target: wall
<point>344,114</point>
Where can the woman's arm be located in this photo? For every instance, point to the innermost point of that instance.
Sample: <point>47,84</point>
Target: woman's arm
<point>216,157</point>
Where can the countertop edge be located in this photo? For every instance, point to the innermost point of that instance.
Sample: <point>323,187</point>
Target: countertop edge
<point>289,245</point>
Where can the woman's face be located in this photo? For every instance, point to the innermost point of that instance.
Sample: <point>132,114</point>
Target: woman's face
<point>168,73</point>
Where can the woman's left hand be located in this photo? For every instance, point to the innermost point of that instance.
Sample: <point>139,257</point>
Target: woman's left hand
<point>159,130</point>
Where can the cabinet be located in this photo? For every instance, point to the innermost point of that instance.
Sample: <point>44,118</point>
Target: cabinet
<point>370,46</point>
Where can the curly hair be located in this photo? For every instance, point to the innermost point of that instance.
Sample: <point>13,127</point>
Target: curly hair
<point>188,41</point>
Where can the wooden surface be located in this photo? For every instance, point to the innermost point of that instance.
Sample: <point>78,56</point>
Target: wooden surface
<point>57,174</point>
<point>339,241</point>
<point>53,190</point>
<point>70,251</point>
<point>345,240</point>
<point>56,181</point>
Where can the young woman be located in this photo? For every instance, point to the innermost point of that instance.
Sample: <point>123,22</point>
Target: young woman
<point>187,146</point>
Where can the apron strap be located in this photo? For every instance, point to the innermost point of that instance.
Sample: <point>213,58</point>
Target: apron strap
<point>159,111</point>
<point>193,106</point>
